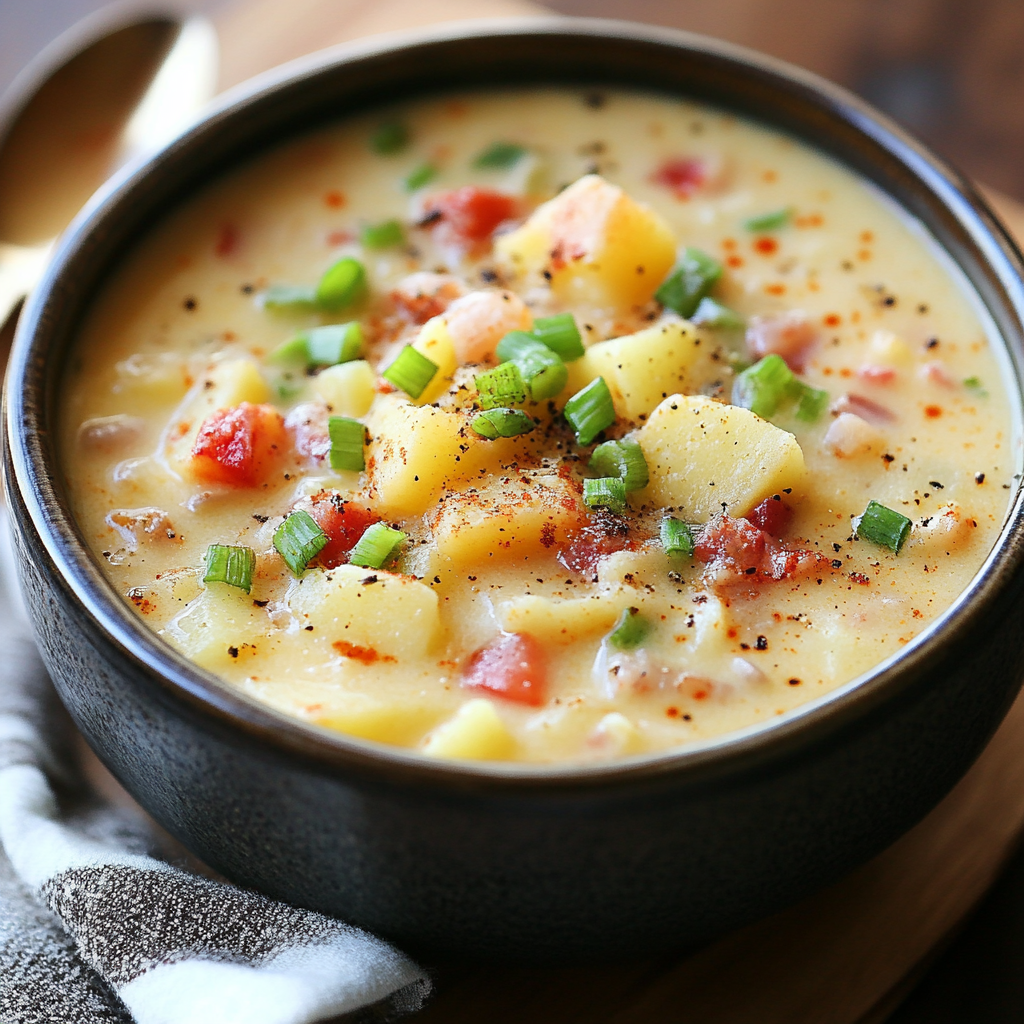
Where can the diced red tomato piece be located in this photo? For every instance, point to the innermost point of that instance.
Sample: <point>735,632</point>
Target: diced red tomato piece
<point>240,446</point>
<point>466,217</point>
<point>590,543</point>
<point>772,515</point>
<point>683,175</point>
<point>344,522</point>
<point>514,667</point>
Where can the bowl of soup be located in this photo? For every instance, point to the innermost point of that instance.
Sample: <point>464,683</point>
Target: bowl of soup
<point>547,490</point>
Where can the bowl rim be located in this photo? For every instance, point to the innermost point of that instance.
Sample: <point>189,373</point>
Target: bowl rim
<point>32,478</point>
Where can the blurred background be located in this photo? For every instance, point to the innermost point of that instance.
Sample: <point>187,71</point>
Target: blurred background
<point>952,71</point>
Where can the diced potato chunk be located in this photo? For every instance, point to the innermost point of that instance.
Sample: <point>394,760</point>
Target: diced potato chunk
<point>436,343</point>
<point>220,627</point>
<point>559,622</point>
<point>348,388</point>
<point>598,245</point>
<point>703,455</point>
<point>226,385</point>
<point>417,452</point>
<point>367,615</point>
<point>475,732</point>
<point>516,516</point>
<point>642,369</point>
<point>386,721</point>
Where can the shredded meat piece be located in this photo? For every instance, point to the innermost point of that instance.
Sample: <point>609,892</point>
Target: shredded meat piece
<point>790,335</point>
<point>110,433</point>
<point>863,407</point>
<point>308,424</point>
<point>593,541</point>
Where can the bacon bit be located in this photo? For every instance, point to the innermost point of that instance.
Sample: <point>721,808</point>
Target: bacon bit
<point>862,407</point>
<point>308,425</point>
<point>595,540</point>
<point>227,241</point>
<point>513,666</point>
<point>873,374</point>
<point>789,335</point>
<point>339,237</point>
<point>335,199</point>
<point>367,655</point>
<point>935,372</point>
<point>344,522</point>
<point>239,446</point>
<point>467,217</point>
<point>737,552</point>
<point>933,412</point>
<point>766,245</point>
<point>734,261</point>
<point>682,175</point>
<point>773,515</point>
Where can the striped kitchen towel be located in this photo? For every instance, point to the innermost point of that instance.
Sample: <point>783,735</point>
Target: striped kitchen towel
<point>96,929</point>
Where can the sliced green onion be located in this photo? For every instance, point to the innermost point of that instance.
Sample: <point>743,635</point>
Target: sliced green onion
<point>624,459</point>
<point>232,565</point>
<point>542,370</point>
<point>590,411</point>
<point>389,138</point>
<point>383,235</point>
<point>974,384</point>
<point>692,279</point>
<point>606,492</point>
<point>289,298</point>
<point>420,176</point>
<point>630,630</point>
<point>347,439</point>
<point>761,387</point>
<point>883,526</point>
<point>299,540</point>
<point>502,386</point>
<point>322,346</point>
<point>710,313</point>
<point>811,402</point>
<point>769,221</point>
<point>497,423</point>
<point>376,546</point>
<point>342,284</point>
<point>560,334</point>
<point>411,371</point>
<point>500,155</point>
<point>676,537</point>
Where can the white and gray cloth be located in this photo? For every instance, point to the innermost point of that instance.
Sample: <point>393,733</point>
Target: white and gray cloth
<point>95,929</point>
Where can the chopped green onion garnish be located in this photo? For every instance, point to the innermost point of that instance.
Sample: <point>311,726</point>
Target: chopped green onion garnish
<point>289,298</point>
<point>560,334</point>
<point>347,439</point>
<point>299,540</point>
<point>383,235</point>
<point>692,279</point>
<point>606,492</point>
<point>974,384</point>
<point>676,537</point>
<point>497,423</point>
<point>542,370</point>
<point>322,346</point>
<point>376,546</point>
<point>389,138</point>
<point>422,175</point>
<point>883,526</point>
<point>342,284</point>
<point>624,459</point>
<point>763,386</point>
<point>590,411</point>
<point>630,630</point>
<point>502,386</point>
<point>710,313</point>
<point>412,371</point>
<point>811,402</point>
<point>232,565</point>
<point>502,156</point>
<point>769,221</point>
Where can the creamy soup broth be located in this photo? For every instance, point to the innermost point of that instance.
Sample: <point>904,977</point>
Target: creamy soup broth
<point>515,621</point>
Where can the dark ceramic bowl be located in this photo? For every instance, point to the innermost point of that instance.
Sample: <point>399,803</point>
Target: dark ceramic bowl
<point>506,860</point>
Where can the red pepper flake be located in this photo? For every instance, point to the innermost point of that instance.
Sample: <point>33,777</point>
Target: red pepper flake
<point>335,199</point>
<point>734,261</point>
<point>859,577</point>
<point>367,655</point>
<point>810,220</point>
<point>672,712</point>
<point>683,175</point>
<point>227,241</point>
<point>766,245</point>
<point>729,243</point>
<point>770,176</point>
<point>933,412</point>
<point>864,254</point>
<point>867,237</point>
<point>775,289</point>
<point>700,694</point>
<point>832,320</point>
<point>341,237</point>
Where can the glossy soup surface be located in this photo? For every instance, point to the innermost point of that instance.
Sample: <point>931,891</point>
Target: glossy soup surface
<point>517,617</point>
